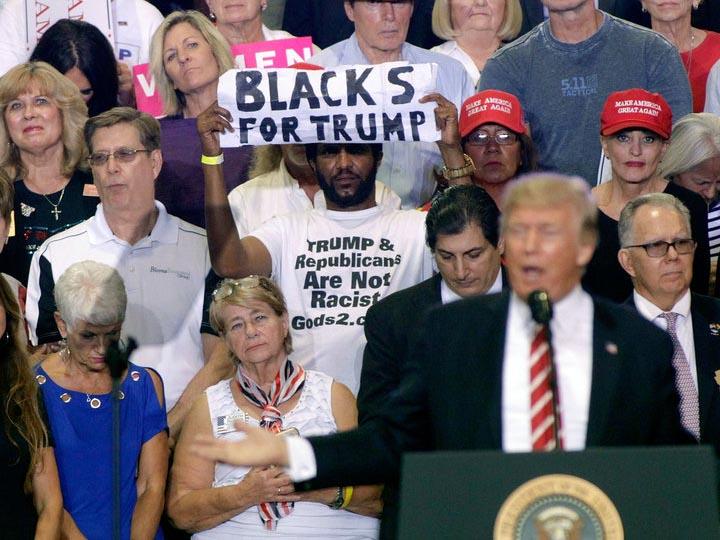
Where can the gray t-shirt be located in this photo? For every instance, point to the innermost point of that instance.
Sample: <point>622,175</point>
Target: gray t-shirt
<point>563,87</point>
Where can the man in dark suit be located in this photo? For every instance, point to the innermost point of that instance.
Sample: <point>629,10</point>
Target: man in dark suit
<point>658,254</point>
<point>462,234</point>
<point>468,383</point>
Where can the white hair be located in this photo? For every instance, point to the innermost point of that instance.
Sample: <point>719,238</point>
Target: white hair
<point>92,292</point>
<point>695,138</point>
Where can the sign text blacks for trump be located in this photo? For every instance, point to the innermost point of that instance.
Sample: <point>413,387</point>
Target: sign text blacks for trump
<point>345,104</point>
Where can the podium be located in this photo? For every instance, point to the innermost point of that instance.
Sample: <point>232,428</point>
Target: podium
<point>655,493</point>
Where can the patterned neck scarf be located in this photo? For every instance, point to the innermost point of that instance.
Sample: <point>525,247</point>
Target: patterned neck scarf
<point>289,380</point>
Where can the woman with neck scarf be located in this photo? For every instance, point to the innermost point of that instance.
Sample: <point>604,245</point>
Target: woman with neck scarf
<point>215,500</point>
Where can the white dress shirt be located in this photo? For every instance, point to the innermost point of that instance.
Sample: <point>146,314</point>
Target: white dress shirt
<point>572,329</point>
<point>683,324</point>
<point>572,333</point>
<point>447,295</point>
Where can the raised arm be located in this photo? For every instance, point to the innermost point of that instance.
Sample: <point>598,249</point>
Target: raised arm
<point>446,119</point>
<point>231,256</point>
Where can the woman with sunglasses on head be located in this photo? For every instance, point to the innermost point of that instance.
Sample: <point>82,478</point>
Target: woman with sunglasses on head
<point>218,501</point>
<point>42,150</point>
<point>635,128</point>
<point>76,386</point>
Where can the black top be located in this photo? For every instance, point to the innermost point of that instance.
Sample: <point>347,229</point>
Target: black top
<point>604,275</point>
<point>35,220</point>
<point>18,517</point>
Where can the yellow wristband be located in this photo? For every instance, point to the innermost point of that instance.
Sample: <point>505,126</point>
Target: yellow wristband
<point>212,160</point>
<point>347,496</point>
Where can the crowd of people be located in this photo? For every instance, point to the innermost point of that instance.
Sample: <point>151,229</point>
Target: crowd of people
<point>241,342</point>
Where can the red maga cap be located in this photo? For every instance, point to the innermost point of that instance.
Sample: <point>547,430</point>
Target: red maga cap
<point>492,107</point>
<point>636,108</point>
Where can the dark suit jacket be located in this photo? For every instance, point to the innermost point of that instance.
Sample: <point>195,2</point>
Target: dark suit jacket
<point>450,396</point>
<point>706,311</point>
<point>626,9</point>
<point>389,325</point>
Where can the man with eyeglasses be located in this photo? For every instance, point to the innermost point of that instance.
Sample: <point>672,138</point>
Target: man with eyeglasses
<point>657,251</point>
<point>381,27</point>
<point>163,260</point>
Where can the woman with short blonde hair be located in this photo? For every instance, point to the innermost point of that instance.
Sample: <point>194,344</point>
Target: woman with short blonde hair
<point>271,390</point>
<point>475,32</point>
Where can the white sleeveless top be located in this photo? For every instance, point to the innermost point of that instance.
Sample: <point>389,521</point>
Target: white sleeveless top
<point>311,416</point>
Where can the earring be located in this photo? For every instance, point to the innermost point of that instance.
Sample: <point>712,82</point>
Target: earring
<point>643,9</point>
<point>263,6</point>
<point>696,5</point>
<point>212,17</point>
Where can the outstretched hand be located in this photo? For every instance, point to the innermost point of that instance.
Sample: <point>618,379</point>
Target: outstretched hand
<point>210,123</point>
<point>446,119</point>
<point>260,448</point>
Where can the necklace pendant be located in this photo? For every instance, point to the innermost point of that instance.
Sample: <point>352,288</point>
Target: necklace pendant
<point>56,212</point>
<point>94,402</point>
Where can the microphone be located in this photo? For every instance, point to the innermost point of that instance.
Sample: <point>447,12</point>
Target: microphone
<point>542,313</point>
<point>117,357</point>
<point>540,307</point>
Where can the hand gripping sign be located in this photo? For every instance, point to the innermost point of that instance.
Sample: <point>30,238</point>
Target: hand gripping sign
<point>359,103</point>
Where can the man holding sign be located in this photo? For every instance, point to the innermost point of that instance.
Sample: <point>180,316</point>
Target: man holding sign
<point>380,32</point>
<point>332,264</point>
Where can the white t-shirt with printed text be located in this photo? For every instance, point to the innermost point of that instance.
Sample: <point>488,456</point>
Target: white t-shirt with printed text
<point>332,266</point>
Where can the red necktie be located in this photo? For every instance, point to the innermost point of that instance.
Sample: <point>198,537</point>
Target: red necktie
<point>541,395</point>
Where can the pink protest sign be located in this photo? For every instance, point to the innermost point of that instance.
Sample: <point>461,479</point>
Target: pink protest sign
<point>277,53</point>
<point>146,95</point>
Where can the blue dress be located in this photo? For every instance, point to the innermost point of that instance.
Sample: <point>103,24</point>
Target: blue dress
<point>83,447</point>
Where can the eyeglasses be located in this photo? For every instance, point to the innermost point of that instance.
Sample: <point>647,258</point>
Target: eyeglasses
<point>227,286</point>
<point>683,246</point>
<point>123,155</point>
<point>483,138</point>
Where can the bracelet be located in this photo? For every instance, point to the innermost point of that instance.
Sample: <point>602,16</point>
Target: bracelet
<point>347,497</point>
<point>212,160</point>
<point>339,500</point>
<point>465,170</point>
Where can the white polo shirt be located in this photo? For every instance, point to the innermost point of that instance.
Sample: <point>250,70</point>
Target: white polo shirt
<point>164,276</point>
<point>332,266</point>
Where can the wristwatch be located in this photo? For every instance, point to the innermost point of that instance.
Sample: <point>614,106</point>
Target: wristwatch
<point>339,500</point>
<point>466,170</point>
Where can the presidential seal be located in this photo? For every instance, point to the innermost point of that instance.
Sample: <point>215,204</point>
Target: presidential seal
<point>558,507</point>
